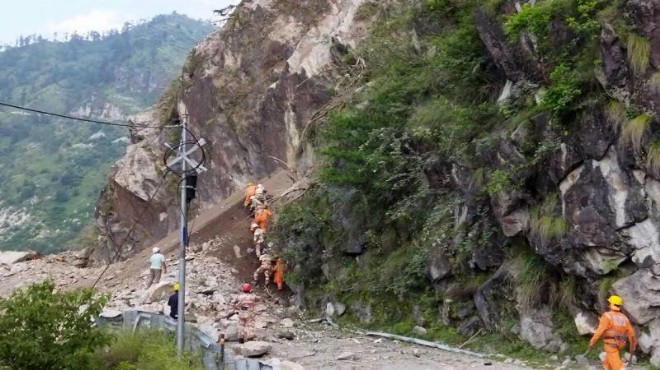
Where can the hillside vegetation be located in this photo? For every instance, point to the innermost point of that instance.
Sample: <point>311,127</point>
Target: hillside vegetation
<point>53,169</point>
<point>402,225</point>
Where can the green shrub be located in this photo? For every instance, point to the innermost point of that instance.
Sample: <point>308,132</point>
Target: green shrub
<point>639,51</point>
<point>47,329</point>
<point>634,130</point>
<point>146,350</point>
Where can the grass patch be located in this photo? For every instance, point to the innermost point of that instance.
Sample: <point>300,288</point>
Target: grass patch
<point>530,274</point>
<point>634,130</point>
<point>639,49</point>
<point>653,157</point>
<point>616,114</point>
<point>544,222</point>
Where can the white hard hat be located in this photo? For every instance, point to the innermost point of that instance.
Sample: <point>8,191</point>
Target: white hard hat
<point>260,186</point>
<point>254,224</point>
<point>155,249</point>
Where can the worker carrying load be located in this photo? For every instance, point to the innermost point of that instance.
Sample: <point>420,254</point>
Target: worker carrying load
<point>615,327</point>
<point>265,267</point>
<point>244,304</point>
<point>250,190</point>
<point>259,239</point>
<point>261,216</point>
<point>279,270</point>
<point>255,203</point>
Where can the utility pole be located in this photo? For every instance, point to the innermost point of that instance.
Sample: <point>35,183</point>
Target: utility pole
<point>181,315</point>
<point>187,166</point>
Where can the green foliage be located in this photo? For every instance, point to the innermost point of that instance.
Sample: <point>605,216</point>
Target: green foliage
<point>639,52</point>
<point>301,229</point>
<point>499,181</point>
<point>46,329</point>
<point>146,350</point>
<point>616,113</point>
<point>544,222</point>
<point>530,275</point>
<point>634,130</point>
<point>563,89</point>
<point>52,170</point>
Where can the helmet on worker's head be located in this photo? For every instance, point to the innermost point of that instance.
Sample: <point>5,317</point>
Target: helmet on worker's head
<point>247,288</point>
<point>250,183</point>
<point>615,300</point>
<point>260,186</point>
<point>176,287</point>
<point>155,249</point>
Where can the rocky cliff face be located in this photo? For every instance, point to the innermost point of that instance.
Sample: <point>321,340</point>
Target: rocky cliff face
<point>587,209</point>
<point>250,90</point>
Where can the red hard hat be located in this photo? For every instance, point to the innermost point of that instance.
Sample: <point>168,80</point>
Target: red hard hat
<point>246,288</point>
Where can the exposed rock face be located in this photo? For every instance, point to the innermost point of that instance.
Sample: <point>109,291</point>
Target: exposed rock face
<point>250,90</point>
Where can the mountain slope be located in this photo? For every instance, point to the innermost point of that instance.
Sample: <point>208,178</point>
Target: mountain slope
<point>52,169</point>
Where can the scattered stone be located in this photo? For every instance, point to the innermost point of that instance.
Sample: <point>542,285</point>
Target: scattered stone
<point>416,352</point>
<point>253,349</point>
<point>518,362</point>
<point>286,323</point>
<point>586,322</point>
<point>237,251</point>
<point>554,358</point>
<point>286,334</point>
<point>581,359</point>
<point>347,356</point>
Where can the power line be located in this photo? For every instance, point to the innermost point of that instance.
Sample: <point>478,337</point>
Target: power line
<point>78,118</point>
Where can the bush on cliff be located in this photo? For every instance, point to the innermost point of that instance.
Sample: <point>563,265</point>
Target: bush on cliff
<point>43,328</point>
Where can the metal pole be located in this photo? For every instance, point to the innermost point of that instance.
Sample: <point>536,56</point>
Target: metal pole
<point>182,253</point>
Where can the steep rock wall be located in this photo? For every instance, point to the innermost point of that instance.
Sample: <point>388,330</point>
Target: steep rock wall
<point>249,90</point>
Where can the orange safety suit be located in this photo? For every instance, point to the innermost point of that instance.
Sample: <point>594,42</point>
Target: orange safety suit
<point>250,190</point>
<point>261,217</point>
<point>615,328</point>
<point>279,273</point>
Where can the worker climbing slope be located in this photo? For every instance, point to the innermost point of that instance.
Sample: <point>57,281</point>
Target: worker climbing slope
<point>265,267</point>
<point>615,328</point>
<point>250,191</point>
<point>261,217</point>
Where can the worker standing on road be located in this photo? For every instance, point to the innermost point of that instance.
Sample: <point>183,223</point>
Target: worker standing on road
<point>261,216</point>
<point>615,327</point>
<point>250,190</point>
<point>156,266</point>
<point>244,303</point>
<point>173,302</point>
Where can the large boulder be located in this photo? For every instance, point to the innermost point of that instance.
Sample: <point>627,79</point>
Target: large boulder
<point>641,295</point>
<point>157,292</point>
<point>536,329</point>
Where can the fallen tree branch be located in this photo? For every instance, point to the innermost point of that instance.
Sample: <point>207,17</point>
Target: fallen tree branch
<point>422,342</point>
<point>471,338</point>
<point>326,319</point>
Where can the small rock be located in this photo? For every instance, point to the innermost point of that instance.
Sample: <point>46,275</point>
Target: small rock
<point>286,334</point>
<point>581,359</point>
<point>253,349</point>
<point>286,323</point>
<point>379,340</point>
<point>518,362</point>
<point>508,361</point>
<point>554,358</point>
<point>419,330</point>
<point>347,356</point>
<point>415,352</point>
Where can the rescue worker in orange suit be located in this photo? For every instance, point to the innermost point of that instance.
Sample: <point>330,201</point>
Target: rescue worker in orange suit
<point>250,190</point>
<point>261,217</point>
<point>244,303</point>
<point>615,328</point>
<point>278,276</point>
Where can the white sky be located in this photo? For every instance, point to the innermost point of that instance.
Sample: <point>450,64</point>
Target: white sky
<point>26,17</point>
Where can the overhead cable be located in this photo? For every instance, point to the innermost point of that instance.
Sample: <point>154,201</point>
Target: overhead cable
<point>79,118</point>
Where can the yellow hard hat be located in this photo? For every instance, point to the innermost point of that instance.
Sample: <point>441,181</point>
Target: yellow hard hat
<point>615,300</point>
<point>176,287</point>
